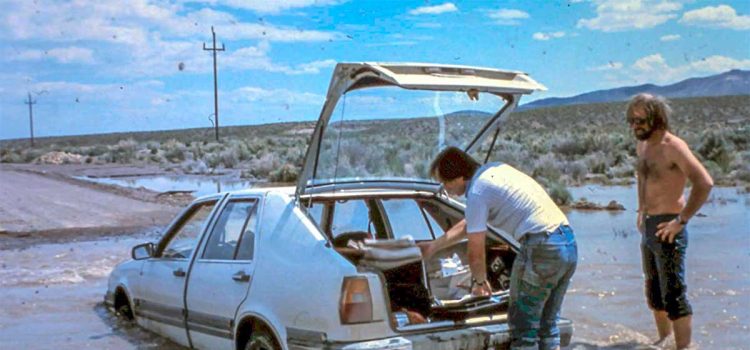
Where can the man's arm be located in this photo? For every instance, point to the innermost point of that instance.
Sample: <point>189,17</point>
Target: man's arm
<point>640,176</point>
<point>454,234</point>
<point>701,181</point>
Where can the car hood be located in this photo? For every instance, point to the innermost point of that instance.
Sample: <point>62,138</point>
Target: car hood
<point>507,86</point>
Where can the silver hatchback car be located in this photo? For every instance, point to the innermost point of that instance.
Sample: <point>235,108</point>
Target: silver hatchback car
<point>333,263</point>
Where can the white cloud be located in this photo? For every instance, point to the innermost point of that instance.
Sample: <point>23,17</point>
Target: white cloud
<point>721,16</point>
<point>622,15</point>
<point>670,37</point>
<point>434,10</point>
<point>283,96</point>
<point>508,17</point>
<point>611,66</point>
<point>546,36</point>
<point>275,6</point>
<point>62,55</point>
<point>131,22</point>
<point>655,69</point>
<point>430,25</point>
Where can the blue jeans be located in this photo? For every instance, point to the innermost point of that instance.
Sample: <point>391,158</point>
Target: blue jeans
<point>664,269</point>
<point>538,282</point>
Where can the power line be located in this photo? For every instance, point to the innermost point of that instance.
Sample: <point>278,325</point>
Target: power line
<point>31,102</point>
<point>216,89</point>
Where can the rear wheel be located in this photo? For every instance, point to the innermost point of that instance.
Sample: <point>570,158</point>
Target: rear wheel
<point>261,339</point>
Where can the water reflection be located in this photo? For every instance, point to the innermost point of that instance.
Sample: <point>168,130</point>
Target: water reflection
<point>196,185</point>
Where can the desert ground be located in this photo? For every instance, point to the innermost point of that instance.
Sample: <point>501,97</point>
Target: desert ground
<point>61,236</point>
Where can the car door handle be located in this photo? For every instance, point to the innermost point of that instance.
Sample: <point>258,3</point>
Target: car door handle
<point>179,273</point>
<point>241,276</point>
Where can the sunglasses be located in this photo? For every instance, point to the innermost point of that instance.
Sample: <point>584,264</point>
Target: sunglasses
<point>637,121</point>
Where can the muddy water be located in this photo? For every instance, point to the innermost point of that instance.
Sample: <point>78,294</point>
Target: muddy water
<point>197,185</point>
<point>51,293</point>
<point>52,296</point>
<point>606,299</point>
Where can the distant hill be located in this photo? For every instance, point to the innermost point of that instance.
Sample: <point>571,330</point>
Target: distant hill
<point>733,82</point>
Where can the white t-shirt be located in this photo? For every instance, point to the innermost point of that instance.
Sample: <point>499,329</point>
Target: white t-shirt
<point>504,198</point>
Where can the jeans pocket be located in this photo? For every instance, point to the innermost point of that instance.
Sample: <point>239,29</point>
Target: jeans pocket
<point>546,262</point>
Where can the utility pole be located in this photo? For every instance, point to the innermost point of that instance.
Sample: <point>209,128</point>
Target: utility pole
<point>216,89</point>
<point>31,102</point>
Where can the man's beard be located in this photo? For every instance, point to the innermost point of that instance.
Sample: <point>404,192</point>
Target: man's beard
<point>643,136</point>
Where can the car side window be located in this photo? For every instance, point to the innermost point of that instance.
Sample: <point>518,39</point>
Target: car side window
<point>225,235</point>
<point>406,218</point>
<point>186,236</point>
<point>350,216</point>
<point>316,212</point>
<point>247,240</point>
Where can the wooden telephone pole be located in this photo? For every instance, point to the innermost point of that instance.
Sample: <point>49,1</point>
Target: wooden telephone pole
<point>31,102</point>
<point>216,89</point>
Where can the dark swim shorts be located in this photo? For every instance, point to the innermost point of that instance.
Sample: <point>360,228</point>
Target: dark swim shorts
<point>664,269</point>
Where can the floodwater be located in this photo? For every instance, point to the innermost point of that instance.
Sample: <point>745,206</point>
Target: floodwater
<point>52,292</point>
<point>197,185</point>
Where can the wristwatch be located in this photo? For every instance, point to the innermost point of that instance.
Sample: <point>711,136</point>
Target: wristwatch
<point>474,281</point>
<point>682,221</point>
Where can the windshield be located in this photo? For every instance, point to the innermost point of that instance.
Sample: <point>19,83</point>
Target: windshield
<point>394,133</point>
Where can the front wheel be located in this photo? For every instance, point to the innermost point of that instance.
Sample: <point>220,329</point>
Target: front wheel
<point>261,339</point>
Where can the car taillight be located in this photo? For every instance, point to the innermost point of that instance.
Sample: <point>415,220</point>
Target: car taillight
<point>356,301</point>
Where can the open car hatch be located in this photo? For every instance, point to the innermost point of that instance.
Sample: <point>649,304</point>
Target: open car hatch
<point>383,122</point>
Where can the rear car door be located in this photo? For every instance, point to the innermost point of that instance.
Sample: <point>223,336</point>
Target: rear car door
<point>221,274</point>
<point>161,306</point>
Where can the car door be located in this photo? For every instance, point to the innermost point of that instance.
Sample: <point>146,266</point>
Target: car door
<point>221,274</point>
<point>161,305</point>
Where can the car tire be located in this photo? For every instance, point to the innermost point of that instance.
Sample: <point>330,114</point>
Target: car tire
<point>261,339</point>
<point>124,310</point>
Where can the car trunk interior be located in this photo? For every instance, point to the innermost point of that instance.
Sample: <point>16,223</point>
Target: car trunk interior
<point>421,294</point>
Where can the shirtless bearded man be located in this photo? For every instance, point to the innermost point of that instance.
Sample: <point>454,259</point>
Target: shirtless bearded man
<point>665,164</point>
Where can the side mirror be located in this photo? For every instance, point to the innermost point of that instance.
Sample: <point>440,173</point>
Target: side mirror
<point>142,251</point>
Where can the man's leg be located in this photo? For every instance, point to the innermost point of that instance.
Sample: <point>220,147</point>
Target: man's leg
<point>653,289</point>
<point>527,299</point>
<point>663,325</point>
<point>549,333</point>
<point>677,305</point>
<point>683,331</point>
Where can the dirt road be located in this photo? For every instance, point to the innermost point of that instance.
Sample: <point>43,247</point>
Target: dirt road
<point>37,203</point>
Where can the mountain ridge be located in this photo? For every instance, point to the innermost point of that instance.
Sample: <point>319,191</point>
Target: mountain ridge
<point>732,82</point>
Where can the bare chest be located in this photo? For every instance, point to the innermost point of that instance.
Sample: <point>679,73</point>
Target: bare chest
<point>653,164</point>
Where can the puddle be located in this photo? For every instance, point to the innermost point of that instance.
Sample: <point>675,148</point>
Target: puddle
<point>197,185</point>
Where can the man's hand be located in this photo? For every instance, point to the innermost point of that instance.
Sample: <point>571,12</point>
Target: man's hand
<point>667,230</point>
<point>481,289</point>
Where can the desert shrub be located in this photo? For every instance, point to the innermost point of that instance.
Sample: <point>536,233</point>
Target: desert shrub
<point>559,193</point>
<point>716,149</point>
<point>597,163</point>
<point>572,145</point>
<point>30,154</point>
<point>577,170</point>
<point>546,167</point>
<point>229,157</point>
<point>11,157</point>
<point>286,173</point>
<point>97,150</point>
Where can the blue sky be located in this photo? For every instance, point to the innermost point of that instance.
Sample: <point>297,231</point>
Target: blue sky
<point>106,66</point>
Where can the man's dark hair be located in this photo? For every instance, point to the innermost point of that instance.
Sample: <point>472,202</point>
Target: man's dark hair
<point>656,108</point>
<point>452,163</point>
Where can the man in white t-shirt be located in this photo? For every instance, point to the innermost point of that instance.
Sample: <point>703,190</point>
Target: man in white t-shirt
<point>501,197</point>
